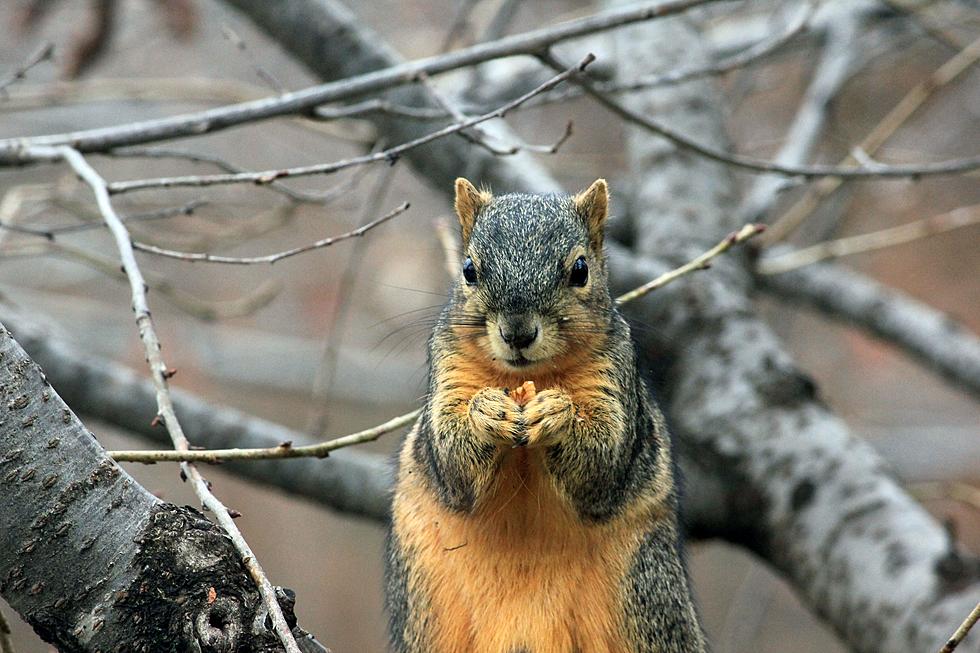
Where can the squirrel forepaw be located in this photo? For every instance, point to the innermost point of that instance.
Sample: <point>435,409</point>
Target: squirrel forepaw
<point>495,417</point>
<point>548,418</point>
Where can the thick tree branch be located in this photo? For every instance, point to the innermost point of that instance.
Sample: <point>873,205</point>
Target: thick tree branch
<point>807,495</point>
<point>932,337</point>
<point>83,544</point>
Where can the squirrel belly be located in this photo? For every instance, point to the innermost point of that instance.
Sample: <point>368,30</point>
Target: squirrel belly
<point>536,517</point>
<point>521,573</point>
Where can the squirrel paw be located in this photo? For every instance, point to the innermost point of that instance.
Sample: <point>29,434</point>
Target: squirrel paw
<point>548,417</point>
<point>495,417</point>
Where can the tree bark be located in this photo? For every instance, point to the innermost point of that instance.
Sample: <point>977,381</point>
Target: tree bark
<point>810,498</point>
<point>935,339</point>
<point>94,562</point>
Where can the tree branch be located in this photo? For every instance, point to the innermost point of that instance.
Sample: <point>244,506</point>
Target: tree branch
<point>389,155</point>
<point>803,492</point>
<point>83,544</point>
<point>12,150</point>
<point>160,374</point>
<point>930,336</point>
<point>278,256</point>
<point>352,482</point>
<point>881,170</point>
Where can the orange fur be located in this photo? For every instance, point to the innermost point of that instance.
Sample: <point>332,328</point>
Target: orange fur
<point>524,563</point>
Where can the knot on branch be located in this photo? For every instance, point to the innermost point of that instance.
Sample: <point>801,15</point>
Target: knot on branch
<point>217,607</point>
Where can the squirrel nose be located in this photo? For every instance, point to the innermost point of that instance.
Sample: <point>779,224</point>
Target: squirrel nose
<point>519,338</point>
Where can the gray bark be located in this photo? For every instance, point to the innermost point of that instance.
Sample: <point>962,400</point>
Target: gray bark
<point>816,502</point>
<point>92,560</point>
<point>935,339</point>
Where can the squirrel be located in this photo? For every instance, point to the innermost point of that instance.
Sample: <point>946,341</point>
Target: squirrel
<point>544,523</point>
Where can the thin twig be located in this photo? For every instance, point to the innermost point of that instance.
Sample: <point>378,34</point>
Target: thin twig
<point>378,105</point>
<point>702,262</point>
<point>949,167</point>
<point>42,53</point>
<point>14,151</point>
<point>159,373</point>
<point>389,155</point>
<point>239,43</point>
<point>158,214</point>
<point>269,258</point>
<point>962,631</point>
<point>296,195</point>
<point>931,226</point>
<point>284,450</point>
<point>793,217</point>
<point>478,137</point>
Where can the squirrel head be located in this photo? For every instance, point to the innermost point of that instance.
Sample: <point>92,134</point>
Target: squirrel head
<point>532,287</point>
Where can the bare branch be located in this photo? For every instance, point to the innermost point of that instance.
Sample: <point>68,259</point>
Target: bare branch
<point>949,167</point>
<point>160,373</point>
<point>270,258</point>
<point>930,336</point>
<point>931,226</point>
<point>196,157</point>
<point>42,53</point>
<point>13,150</point>
<point>702,262</point>
<point>842,47</point>
<point>389,155</point>
<point>284,450</point>
<point>962,631</point>
<point>793,217</point>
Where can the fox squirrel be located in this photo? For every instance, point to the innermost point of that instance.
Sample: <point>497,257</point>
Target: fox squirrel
<point>536,517</point>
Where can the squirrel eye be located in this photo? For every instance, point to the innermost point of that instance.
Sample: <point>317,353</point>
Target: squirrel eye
<point>469,271</point>
<point>580,273</point>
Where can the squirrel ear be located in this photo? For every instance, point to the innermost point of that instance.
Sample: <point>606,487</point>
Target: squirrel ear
<point>593,205</point>
<point>469,201</point>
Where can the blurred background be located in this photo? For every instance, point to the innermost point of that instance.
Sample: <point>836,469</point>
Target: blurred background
<point>333,341</point>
